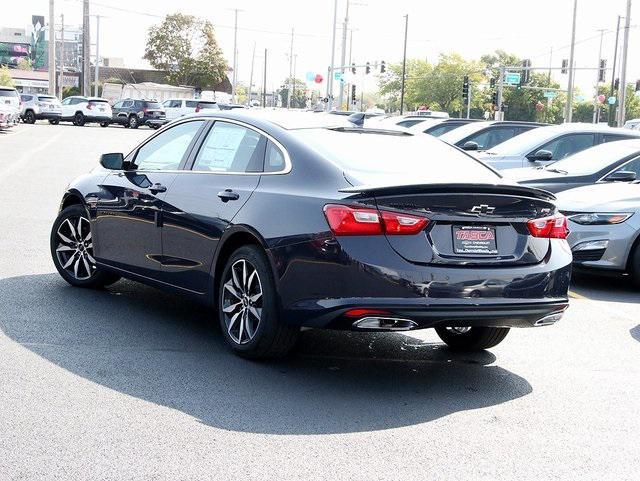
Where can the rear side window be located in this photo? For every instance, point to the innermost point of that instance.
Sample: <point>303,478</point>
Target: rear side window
<point>208,105</point>
<point>165,151</point>
<point>231,148</point>
<point>438,130</point>
<point>192,104</point>
<point>409,123</point>
<point>613,138</point>
<point>274,159</point>
<point>153,105</point>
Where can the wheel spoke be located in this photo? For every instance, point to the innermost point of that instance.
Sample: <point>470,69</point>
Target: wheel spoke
<point>63,237</point>
<point>232,322</point>
<point>228,286</point>
<point>244,276</point>
<point>243,317</point>
<point>79,228</point>
<point>255,297</point>
<point>234,276</point>
<point>253,275</point>
<point>69,260</point>
<point>90,257</point>
<point>88,236</point>
<point>72,229</point>
<point>231,307</point>
<point>250,328</point>
<point>75,267</point>
<point>256,311</point>
<point>64,248</point>
<point>86,266</point>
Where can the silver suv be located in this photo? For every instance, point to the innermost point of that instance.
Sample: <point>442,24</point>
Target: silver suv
<point>36,107</point>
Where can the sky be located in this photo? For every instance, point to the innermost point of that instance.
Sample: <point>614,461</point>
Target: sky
<point>469,27</point>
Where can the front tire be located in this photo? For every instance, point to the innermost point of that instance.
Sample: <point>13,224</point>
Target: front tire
<point>29,117</point>
<point>472,338</point>
<point>248,307</point>
<point>134,123</point>
<point>54,121</point>
<point>104,124</point>
<point>72,250</point>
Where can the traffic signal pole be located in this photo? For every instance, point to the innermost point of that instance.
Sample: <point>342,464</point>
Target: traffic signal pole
<point>499,114</point>
<point>569,107</point>
<point>623,67</point>
<point>612,107</point>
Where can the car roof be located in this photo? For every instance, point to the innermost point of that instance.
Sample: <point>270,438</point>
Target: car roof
<point>285,119</point>
<point>6,87</point>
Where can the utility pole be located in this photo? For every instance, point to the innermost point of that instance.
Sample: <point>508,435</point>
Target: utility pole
<point>264,81</point>
<point>499,115</point>
<point>343,58</point>
<point>550,64</point>
<point>235,57</point>
<point>52,49</point>
<point>86,48</point>
<point>404,63</point>
<point>329,104</point>
<point>596,105</point>
<point>97,77</point>
<point>253,59</point>
<point>623,67</point>
<point>612,107</point>
<point>61,76</point>
<point>293,82</point>
<point>290,72</point>
<point>569,107</point>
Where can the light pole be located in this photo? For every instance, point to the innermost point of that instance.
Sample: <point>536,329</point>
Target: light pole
<point>290,72</point>
<point>596,105</point>
<point>343,58</point>
<point>235,56</point>
<point>329,104</point>
<point>52,49</point>
<point>404,63</point>
<point>97,79</point>
<point>569,107</point>
<point>623,67</point>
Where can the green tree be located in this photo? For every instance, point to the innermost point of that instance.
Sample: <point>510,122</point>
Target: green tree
<point>5,77</point>
<point>299,94</point>
<point>186,47</point>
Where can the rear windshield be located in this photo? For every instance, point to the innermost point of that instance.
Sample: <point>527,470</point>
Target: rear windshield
<point>153,105</point>
<point>8,93</point>
<point>208,105</point>
<point>374,158</point>
<point>98,101</point>
<point>46,98</point>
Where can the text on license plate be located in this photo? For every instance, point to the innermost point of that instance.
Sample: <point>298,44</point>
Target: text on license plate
<point>474,240</point>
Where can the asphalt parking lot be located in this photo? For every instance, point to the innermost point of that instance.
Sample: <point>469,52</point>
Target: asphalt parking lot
<point>133,383</point>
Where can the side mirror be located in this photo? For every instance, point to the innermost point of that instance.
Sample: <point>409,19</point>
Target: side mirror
<point>112,161</point>
<point>470,145</point>
<point>543,155</point>
<point>621,176</point>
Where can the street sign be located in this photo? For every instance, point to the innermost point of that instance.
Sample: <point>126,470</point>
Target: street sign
<point>579,98</point>
<point>512,78</point>
<point>337,76</point>
<point>550,94</point>
<point>612,100</point>
<point>601,98</point>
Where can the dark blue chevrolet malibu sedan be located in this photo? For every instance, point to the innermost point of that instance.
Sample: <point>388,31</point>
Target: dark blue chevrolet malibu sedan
<point>280,220</point>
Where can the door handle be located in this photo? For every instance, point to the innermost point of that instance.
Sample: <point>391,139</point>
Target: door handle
<point>227,195</point>
<point>156,188</point>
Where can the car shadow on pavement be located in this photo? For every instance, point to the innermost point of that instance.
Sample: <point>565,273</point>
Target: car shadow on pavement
<point>605,288</point>
<point>635,333</point>
<point>160,348</point>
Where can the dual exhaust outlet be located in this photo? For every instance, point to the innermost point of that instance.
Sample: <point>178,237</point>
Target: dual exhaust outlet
<point>399,324</point>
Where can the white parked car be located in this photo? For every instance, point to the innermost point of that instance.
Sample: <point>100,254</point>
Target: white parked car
<point>8,116</point>
<point>81,110</point>
<point>39,106</point>
<point>9,96</point>
<point>175,108</point>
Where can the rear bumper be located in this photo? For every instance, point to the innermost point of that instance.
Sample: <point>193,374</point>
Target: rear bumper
<point>321,280</point>
<point>153,122</point>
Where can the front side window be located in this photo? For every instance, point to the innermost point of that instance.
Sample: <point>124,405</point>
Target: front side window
<point>166,151</point>
<point>491,137</point>
<point>567,145</point>
<point>118,105</point>
<point>67,101</point>
<point>231,148</point>
<point>631,166</point>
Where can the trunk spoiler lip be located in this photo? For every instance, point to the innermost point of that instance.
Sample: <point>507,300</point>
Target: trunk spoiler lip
<point>485,188</point>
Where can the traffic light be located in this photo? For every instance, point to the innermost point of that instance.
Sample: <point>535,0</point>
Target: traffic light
<point>637,85</point>
<point>494,98</point>
<point>524,78</point>
<point>465,88</point>
<point>616,84</point>
<point>383,66</point>
<point>492,82</point>
<point>367,69</point>
<point>565,64</point>
<point>353,68</point>
<point>353,94</point>
<point>602,71</point>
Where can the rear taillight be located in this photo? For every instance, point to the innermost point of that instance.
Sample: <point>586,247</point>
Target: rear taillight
<point>145,110</point>
<point>344,220</point>
<point>552,227</point>
<point>197,109</point>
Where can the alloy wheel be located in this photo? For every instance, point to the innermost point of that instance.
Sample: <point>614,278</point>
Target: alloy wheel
<point>74,248</point>
<point>242,301</point>
<point>458,330</point>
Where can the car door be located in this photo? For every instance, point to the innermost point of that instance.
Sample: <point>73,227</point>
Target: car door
<point>116,111</point>
<point>205,198</point>
<point>128,212</point>
<point>68,107</point>
<point>564,146</point>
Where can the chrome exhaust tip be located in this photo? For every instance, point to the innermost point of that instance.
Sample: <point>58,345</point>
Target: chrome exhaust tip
<point>385,324</point>
<point>549,319</point>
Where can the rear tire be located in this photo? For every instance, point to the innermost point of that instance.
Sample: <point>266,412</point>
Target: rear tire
<point>248,307</point>
<point>78,119</point>
<point>54,121</point>
<point>134,123</point>
<point>29,117</point>
<point>474,339</point>
<point>72,250</point>
<point>104,124</point>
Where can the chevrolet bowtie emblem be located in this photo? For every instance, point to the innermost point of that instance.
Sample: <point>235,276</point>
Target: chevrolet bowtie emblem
<point>483,209</point>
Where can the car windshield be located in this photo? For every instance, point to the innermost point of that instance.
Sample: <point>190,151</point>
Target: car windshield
<point>463,131</point>
<point>8,93</point>
<point>592,160</point>
<point>375,158</point>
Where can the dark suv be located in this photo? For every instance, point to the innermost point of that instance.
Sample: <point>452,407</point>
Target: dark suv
<point>134,113</point>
